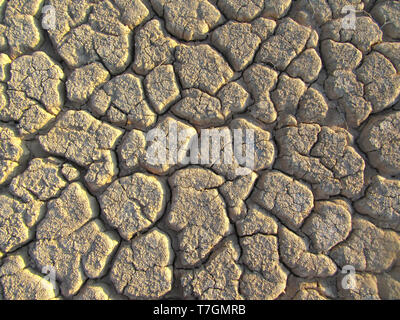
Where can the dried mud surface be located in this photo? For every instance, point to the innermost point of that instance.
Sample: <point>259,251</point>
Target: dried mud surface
<point>80,199</point>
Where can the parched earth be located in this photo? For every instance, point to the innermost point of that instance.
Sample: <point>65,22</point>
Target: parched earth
<point>86,212</point>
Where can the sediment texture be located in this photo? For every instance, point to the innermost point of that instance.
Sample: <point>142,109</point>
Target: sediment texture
<point>83,200</point>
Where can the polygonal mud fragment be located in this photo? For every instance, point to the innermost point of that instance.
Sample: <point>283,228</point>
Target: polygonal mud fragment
<point>288,199</point>
<point>83,81</point>
<point>35,92</point>
<point>94,290</point>
<point>256,220</point>
<point>365,287</point>
<point>263,27</point>
<point>294,253</point>
<point>346,164</point>
<point>162,88</point>
<point>67,213</point>
<point>20,282</point>
<point>340,56</point>
<point>383,92</point>
<point>364,36</point>
<point>357,109</point>
<point>338,5</point>
<point>132,13</point>
<point>310,289</point>
<point>133,203</point>
<point>5,63</point>
<point>69,43</point>
<point>380,140</point>
<point>199,108</point>
<point>152,47</point>
<point>72,240</point>
<point>289,40</point>
<point>382,202</point>
<point>188,19</point>
<point>42,180</point>
<point>375,65</point>
<point>218,278</point>
<point>306,66</point>
<point>12,152</point>
<point>264,147</point>
<point>122,100</point>
<point>19,28</point>
<point>261,80</point>
<point>265,278</point>
<point>234,151</point>
<point>390,50</point>
<point>295,143</point>
<point>382,84</point>
<point>3,28</point>
<point>277,52</point>
<point>287,95</point>
<point>86,32</point>
<point>236,191</point>
<point>387,14</point>
<point>310,12</point>
<point>238,42</point>
<point>132,149</point>
<point>305,152</point>
<point>31,116</point>
<point>276,8</point>
<point>198,213</point>
<point>313,40</point>
<point>201,67</point>
<point>81,138</point>
<point>367,34</point>
<point>389,284</point>
<point>307,135</point>
<point>292,151</point>
<point>312,107</point>
<point>34,119</point>
<point>15,228</point>
<point>3,98</point>
<point>234,98</point>
<point>368,248</point>
<point>143,268</point>
<point>286,120</point>
<point>70,172</point>
<point>328,225</point>
<point>241,10</point>
<point>167,145</point>
<point>219,152</point>
<point>342,85</point>
<point>331,30</point>
<point>307,294</point>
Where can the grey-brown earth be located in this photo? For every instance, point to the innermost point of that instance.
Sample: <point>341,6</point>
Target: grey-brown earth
<point>86,213</point>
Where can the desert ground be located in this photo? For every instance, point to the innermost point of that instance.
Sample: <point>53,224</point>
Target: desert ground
<point>199,149</point>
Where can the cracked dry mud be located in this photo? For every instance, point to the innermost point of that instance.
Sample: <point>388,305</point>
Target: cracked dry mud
<point>80,194</point>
